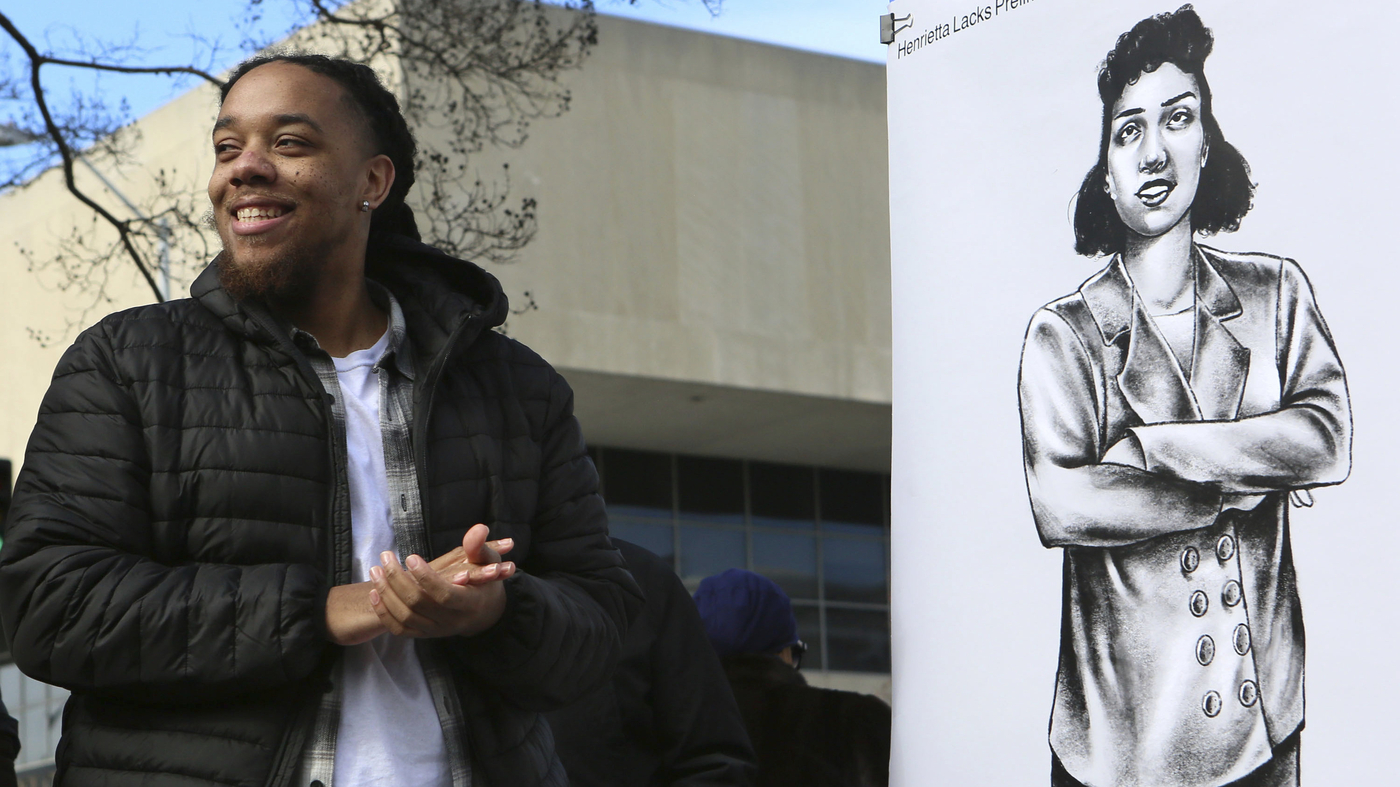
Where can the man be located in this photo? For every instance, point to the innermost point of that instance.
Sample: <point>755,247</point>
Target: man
<point>667,718</point>
<point>803,736</point>
<point>221,532</point>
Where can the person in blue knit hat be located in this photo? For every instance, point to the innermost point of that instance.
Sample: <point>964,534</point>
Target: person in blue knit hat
<point>802,735</point>
<point>746,612</point>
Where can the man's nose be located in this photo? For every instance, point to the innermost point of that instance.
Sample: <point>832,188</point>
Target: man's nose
<point>251,167</point>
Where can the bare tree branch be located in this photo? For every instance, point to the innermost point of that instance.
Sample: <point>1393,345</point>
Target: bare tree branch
<point>123,228</point>
<point>475,73</point>
<point>121,69</point>
<point>470,73</point>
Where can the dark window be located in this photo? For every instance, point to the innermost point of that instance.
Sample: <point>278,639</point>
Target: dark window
<point>710,489</point>
<point>706,551</point>
<point>854,570</point>
<point>852,501</point>
<point>809,630</point>
<point>38,708</point>
<point>858,640</point>
<point>652,536</point>
<point>782,495</point>
<point>637,483</point>
<point>705,515</point>
<point>789,559</point>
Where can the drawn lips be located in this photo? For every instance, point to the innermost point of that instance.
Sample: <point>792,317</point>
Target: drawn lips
<point>1155,192</point>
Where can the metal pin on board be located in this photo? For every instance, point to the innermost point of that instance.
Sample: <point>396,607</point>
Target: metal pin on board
<point>891,24</point>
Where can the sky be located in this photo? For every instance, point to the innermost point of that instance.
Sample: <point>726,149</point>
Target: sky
<point>847,28</point>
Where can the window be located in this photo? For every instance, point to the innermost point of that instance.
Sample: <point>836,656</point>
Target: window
<point>39,709</point>
<point>822,534</point>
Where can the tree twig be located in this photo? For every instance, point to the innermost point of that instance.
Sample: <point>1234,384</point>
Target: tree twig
<point>123,228</point>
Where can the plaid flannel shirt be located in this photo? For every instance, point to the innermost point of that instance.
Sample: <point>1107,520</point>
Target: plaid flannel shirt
<point>396,376</point>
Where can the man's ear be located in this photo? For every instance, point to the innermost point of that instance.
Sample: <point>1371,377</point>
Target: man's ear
<point>379,179</point>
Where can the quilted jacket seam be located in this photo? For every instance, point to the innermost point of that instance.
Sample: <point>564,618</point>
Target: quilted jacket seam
<point>70,767</point>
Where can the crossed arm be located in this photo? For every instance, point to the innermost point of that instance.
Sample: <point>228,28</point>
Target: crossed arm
<point>1089,487</point>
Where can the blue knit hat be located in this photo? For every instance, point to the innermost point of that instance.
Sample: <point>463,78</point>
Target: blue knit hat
<point>745,613</point>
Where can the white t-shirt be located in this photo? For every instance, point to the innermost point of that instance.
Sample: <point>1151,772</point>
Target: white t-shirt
<point>389,730</point>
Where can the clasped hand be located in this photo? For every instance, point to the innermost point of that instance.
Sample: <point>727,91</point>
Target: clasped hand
<point>459,593</point>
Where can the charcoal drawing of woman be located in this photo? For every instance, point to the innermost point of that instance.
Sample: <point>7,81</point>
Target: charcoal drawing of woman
<point>1170,409</point>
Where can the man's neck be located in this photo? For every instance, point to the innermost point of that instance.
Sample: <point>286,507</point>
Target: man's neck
<point>339,312</point>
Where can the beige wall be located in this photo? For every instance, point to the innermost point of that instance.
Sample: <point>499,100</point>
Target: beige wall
<point>39,216</point>
<point>713,210</point>
<point>712,264</point>
<point>714,218</point>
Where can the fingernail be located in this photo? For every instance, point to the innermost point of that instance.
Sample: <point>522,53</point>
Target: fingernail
<point>376,573</point>
<point>374,598</point>
<point>414,561</point>
<point>505,542</point>
<point>460,578</point>
<point>489,570</point>
<point>386,557</point>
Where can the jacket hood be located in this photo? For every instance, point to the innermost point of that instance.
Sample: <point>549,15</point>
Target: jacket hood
<point>438,293</point>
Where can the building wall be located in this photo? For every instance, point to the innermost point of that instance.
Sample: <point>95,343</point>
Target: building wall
<point>40,316</point>
<point>712,264</point>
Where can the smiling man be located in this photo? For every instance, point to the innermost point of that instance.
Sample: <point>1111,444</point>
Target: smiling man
<point>246,532</point>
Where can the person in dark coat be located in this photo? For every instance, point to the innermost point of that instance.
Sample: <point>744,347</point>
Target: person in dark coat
<point>9,727</point>
<point>194,549</point>
<point>668,718</point>
<point>803,736</point>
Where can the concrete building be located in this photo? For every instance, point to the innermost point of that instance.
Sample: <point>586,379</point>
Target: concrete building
<point>712,276</point>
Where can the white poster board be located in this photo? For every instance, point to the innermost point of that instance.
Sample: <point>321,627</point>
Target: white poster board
<point>994,120</point>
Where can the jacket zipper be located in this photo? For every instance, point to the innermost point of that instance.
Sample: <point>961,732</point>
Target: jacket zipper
<point>420,422</point>
<point>287,759</point>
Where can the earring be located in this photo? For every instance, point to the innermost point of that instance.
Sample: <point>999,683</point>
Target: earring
<point>364,206</point>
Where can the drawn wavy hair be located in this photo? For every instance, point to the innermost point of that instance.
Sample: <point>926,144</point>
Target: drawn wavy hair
<point>1225,193</point>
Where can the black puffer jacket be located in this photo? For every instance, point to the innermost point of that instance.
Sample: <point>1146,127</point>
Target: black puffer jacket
<point>805,736</point>
<point>170,547</point>
<point>667,718</point>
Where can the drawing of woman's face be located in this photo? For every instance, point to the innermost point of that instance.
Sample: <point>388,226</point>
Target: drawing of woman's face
<point>1156,149</point>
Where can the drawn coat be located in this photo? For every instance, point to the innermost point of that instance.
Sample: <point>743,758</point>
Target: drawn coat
<point>1181,654</point>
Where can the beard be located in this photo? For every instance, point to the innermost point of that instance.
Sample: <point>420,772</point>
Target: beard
<point>286,278</point>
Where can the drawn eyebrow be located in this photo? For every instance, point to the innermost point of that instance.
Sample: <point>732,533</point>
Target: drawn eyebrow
<point>1124,113</point>
<point>1170,101</point>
